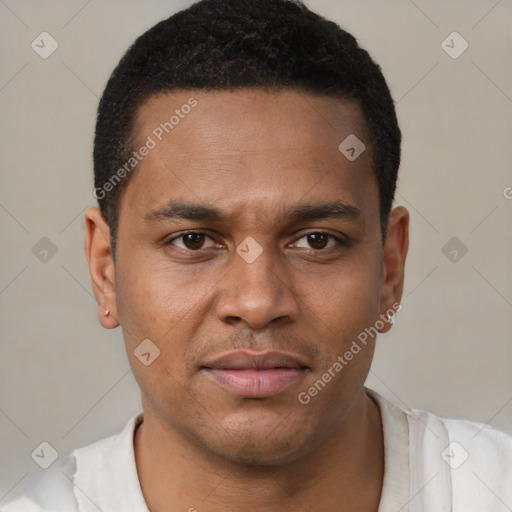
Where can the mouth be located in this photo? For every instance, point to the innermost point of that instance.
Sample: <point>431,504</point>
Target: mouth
<point>249,374</point>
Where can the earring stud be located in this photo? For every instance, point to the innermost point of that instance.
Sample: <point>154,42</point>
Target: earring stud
<point>107,312</point>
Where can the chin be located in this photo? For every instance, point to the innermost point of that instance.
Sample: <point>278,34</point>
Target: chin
<point>254,442</point>
<point>257,452</point>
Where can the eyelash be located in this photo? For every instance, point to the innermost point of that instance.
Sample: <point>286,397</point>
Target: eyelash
<point>341,243</point>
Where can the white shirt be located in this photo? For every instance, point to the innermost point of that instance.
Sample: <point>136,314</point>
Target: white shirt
<point>431,464</point>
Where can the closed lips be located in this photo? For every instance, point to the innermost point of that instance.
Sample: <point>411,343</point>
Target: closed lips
<point>255,375</point>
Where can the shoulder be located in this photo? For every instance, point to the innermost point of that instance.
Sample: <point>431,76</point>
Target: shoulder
<point>92,468</point>
<point>478,441</point>
<point>454,464</point>
<point>51,490</point>
<point>473,459</point>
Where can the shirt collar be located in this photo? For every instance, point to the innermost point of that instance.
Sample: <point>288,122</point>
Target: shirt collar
<point>395,427</point>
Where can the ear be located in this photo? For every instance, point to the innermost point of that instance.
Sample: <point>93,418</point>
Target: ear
<point>101,266</point>
<point>393,263</point>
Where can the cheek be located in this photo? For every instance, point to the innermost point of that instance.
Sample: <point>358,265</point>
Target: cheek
<point>156,300</point>
<point>348,303</point>
<point>344,323</point>
<point>161,305</point>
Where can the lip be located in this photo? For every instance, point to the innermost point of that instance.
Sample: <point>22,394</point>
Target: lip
<point>250,374</point>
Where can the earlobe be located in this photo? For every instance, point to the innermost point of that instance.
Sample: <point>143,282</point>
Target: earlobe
<point>393,264</point>
<point>101,266</point>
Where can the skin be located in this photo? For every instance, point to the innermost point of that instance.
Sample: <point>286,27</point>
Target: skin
<point>253,155</point>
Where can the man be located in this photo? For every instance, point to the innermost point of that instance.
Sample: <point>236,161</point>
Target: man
<point>246,158</point>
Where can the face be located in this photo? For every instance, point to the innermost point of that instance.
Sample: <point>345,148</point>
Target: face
<point>249,252</point>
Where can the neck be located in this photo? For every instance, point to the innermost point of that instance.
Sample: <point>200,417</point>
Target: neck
<point>345,473</point>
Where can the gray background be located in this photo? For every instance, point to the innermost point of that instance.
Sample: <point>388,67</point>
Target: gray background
<point>66,381</point>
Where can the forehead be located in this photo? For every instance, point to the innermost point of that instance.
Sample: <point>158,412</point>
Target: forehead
<point>282,119</point>
<point>232,147</point>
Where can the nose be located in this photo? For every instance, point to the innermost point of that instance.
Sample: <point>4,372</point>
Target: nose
<point>257,293</point>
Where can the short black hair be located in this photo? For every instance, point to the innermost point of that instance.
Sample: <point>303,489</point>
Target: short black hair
<point>233,44</point>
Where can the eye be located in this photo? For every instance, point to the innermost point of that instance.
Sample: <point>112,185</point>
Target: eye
<point>318,241</point>
<point>192,241</point>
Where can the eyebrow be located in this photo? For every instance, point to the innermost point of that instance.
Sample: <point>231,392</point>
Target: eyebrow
<point>302,212</point>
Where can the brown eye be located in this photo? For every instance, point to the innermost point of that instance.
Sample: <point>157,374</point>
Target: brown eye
<point>191,241</point>
<point>318,240</point>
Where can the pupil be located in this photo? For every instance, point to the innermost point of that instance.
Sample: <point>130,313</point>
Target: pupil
<point>195,240</point>
<point>316,238</point>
